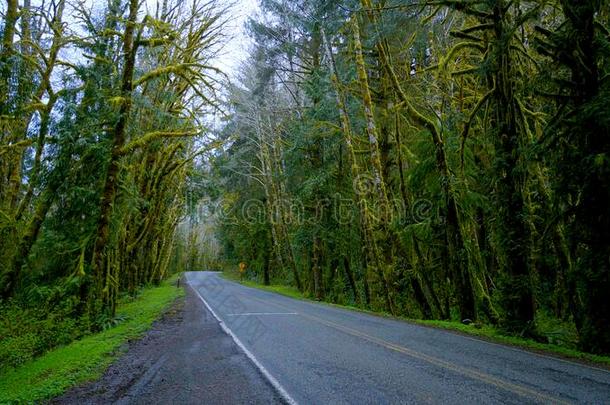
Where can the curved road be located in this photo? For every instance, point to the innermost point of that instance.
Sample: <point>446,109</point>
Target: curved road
<point>326,355</point>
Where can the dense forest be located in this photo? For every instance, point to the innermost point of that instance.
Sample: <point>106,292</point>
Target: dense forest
<point>441,159</point>
<point>432,159</point>
<point>101,118</point>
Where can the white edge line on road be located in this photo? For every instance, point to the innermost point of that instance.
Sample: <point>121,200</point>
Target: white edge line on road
<point>278,387</point>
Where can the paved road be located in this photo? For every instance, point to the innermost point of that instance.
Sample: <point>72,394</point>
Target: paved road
<point>326,355</point>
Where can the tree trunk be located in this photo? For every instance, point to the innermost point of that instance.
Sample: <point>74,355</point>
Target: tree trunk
<point>383,261</point>
<point>316,270</point>
<point>103,283</point>
<point>350,279</point>
<point>588,133</point>
<point>512,230</point>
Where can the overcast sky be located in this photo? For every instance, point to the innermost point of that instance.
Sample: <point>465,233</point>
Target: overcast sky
<point>237,47</point>
<point>238,43</point>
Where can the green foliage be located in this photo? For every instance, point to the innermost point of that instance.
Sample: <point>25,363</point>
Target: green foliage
<point>82,360</point>
<point>39,319</point>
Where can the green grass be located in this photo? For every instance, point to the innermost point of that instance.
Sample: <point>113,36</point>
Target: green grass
<point>85,360</point>
<point>485,332</point>
<point>288,291</point>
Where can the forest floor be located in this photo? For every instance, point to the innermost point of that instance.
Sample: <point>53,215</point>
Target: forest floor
<point>184,358</point>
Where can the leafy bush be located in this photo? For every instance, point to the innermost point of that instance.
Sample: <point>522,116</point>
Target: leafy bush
<point>556,331</point>
<point>17,350</point>
<point>28,332</point>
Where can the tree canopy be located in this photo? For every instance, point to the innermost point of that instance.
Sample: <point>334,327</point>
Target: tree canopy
<point>102,122</point>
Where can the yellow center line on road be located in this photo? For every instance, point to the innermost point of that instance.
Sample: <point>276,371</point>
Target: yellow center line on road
<point>474,374</point>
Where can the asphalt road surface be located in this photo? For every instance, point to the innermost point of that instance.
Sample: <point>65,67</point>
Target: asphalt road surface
<point>318,354</point>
